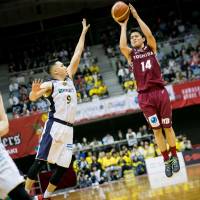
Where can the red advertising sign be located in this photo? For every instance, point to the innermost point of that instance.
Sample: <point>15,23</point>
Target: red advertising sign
<point>23,136</point>
<point>192,157</point>
<point>186,94</point>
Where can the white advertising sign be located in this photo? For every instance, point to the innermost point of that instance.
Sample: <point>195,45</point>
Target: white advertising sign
<point>156,172</point>
<point>110,106</point>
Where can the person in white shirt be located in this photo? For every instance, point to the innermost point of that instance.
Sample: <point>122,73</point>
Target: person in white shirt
<point>13,100</point>
<point>13,86</point>
<point>108,139</point>
<point>131,137</point>
<point>122,74</point>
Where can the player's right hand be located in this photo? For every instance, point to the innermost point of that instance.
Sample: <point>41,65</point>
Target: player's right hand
<point>124,23</point>
<point>36,85</point>
<point>133,11</point>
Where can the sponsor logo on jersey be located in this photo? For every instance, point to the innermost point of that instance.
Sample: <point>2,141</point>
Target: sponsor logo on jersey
<point>144,55</point>
<point>165,120</point>
<point>61,90</point>
<point>153,120</point>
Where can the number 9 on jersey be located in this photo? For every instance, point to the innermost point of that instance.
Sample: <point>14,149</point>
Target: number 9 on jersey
<point>69,99</point>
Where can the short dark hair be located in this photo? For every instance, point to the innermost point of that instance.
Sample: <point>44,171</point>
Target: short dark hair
<point>50,65</point>
<point>138,31</point>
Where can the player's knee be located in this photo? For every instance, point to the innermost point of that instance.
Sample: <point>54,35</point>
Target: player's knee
<point>19,193</point>
<point>169,130</point>
<point>35,168</point>
<point>57,175</point>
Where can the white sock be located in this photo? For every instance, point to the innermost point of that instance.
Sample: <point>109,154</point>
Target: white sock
<point>47,194</point>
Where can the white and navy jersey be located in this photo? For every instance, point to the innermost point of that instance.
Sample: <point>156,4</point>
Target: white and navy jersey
<point>63,100</point>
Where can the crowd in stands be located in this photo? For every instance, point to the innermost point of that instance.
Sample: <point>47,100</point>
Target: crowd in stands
<point>97,162</point>
<point>88,82</point>
<point>126,79</point>
<point>181,65</point>
<point>19,98</point>
<point>38,53</point>
<point>19,101</point>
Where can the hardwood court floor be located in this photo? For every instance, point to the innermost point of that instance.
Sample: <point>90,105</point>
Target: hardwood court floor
<point>139,189</point>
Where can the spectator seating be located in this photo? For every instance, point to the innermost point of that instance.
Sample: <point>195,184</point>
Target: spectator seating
<point>96,164</point>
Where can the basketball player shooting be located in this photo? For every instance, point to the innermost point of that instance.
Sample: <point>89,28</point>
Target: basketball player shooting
<point>57,137</point>
<point>153,97</point>
<point>11,182</point>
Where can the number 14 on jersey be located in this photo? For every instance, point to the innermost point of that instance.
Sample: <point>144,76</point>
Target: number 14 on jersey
<point>146,65</point>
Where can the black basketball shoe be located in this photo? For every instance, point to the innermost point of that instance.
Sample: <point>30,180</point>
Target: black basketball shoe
<point>175,164</point>
<point>168,168</point>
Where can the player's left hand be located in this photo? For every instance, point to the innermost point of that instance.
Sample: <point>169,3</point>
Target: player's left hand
<point>85,26</point>
<point>36,85</point>
<point>133,11</point>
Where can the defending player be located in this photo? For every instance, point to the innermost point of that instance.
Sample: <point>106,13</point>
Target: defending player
<point>57,137</point>
<point>153,97</point>
<point>10,179</point>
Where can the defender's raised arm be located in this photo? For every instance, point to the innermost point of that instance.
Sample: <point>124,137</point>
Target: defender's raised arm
<point>72,68</point>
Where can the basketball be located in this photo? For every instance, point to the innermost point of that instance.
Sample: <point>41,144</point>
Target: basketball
<point>120,11</point>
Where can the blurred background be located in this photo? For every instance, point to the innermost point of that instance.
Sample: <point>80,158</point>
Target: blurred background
<point>110,129</point>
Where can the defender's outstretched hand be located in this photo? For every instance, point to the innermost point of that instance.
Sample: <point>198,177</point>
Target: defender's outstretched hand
<point>85,26</point>
<point>36,85</point>
<point>133,11</point>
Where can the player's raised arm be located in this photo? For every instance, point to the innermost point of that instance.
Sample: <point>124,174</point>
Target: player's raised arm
<point>4,125</point>
<point>72,68</point>
<point>145,29</point>
<point>123,45</point>
<point>39,89</point>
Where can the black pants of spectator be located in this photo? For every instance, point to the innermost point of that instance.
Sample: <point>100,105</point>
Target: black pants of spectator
<point>120,79</point>
<point>124,168</point>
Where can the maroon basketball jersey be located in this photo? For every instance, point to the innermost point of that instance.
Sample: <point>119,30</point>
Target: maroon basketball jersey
<point>146,69</point>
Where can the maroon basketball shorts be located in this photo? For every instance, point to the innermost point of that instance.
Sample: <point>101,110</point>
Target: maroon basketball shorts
<point>156,107</point>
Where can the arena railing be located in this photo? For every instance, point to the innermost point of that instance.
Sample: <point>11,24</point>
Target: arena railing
<point>116,144</point>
